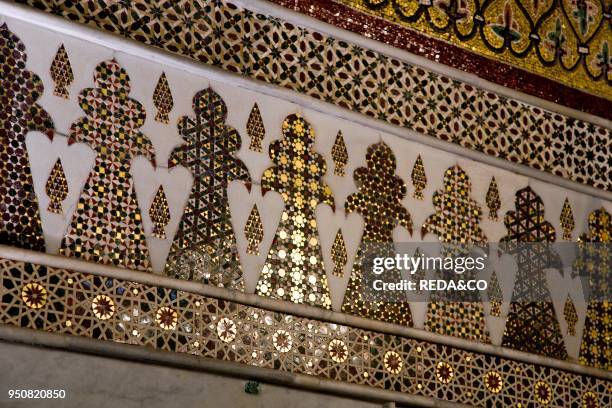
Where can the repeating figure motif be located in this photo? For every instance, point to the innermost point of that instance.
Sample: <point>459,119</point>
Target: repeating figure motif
<point>61,73</point>
<point>532,324</point>
<point>568,41</point>
<point>56,188</point>
<point>205,231</point>
<point>95,306</point>
<point>294,268</point>
<point>277,52</point>
<point>378,201</point>
<point>20,224</point>
<point>592,263</point>
<point>456,222</point>
<point>107,224</point>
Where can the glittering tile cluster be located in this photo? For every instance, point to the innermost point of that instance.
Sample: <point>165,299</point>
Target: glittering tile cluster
<point>596,349</point>
<point>339,155</point>
<point>111,309</point>
<point>568,41</point>
<point>253,230</point>
<point>107,225</point>
<point>493,200</point>
<point>570,315</point>
<point>456,221</point>
<point>256,129</point>
<point>419,178</point>
<point>159,213</point>
<point>567,220</point>
<point>277,52</point>
<point>162,99</point>
<point>339,255</point>
<point>378,201</point>
<point>294,268</point>
<point>205,231</point>
<point>56,188</point>
<point>457,215</point>
<point>61,73</point>
<point>494,293</point>
<point>532,326</point>
<point>19,114</point>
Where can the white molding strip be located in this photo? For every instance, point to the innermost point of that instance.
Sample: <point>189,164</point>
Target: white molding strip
<point>11,334</point>
<point>310,312</point>
<point>86,33</point>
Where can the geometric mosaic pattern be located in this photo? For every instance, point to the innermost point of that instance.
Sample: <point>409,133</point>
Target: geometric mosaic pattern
<point>205,231</point>
<point>56,188</point>
<point>253,231</point>
<point>565,40</point>
<point>294,267</point>
<point>271,50</point>
<point>256,129</point>
<point>493,200</point>
<point>111,309</point>
<point>61,73</point>
<point>532,325</point>
<point>378,201</point>
<point>107,225</point>
<point>19,89</point>
<point>162,99</point>
<point>592,264</point>
<point>456,222</point>
<point>419,178</point>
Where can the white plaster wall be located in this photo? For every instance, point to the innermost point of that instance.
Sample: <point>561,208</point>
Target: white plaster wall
<point>100,382</point>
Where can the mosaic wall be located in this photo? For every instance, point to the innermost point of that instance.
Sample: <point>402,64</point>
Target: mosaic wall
<point>277,52</point>
<point>378,201</point>
<point>294,267</point>
<point>204,248</point>
<point>62,301</point>
<point>105,224</point>
<point>596,348</point>
<point>19,114</point>
<point>455,222</point>
<point>568,41</point>
<point>532,326</point>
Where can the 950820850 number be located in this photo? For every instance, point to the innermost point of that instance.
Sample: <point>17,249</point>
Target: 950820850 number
<point>37,394</point>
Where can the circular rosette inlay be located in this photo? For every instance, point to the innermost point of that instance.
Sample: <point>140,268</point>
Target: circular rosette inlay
<point>103,307</point>
<point>444,372</point>
<point>393,362</point>
<point>589,400</point>
<point>282,341</point>
<point>166,318</point>
<point>543,392</point>
<point>493,382</point>
<point>226,330</point>
<point>34,295</point>
<point>338,350</point>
